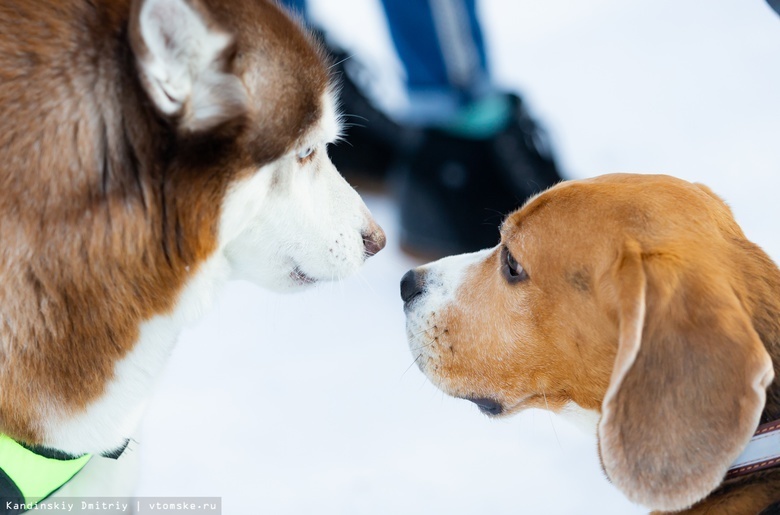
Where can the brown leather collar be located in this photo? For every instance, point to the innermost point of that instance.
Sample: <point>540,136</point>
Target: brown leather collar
<point>761,453</point>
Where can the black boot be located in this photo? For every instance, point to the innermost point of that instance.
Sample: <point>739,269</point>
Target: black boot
<point>371,141</point>
<point>455,191</point>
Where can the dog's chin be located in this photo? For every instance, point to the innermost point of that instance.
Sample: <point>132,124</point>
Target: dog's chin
<point>301,279</point>
<point>495,407</point>
<point>487,406</point>
<point>288,274</point>
<point>294,280</point>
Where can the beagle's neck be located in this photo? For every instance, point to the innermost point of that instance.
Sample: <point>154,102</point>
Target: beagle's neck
<point>772,409</point>
<point>762,278</point>
<point>771,338</point>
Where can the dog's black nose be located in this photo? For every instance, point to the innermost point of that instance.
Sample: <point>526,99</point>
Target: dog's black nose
<point>488,406</point>
<point>411,285</point>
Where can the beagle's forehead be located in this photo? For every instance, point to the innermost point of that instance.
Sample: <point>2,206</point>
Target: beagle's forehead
<point>585,214</point>
<point>536,208</point>
<point>573,231</point>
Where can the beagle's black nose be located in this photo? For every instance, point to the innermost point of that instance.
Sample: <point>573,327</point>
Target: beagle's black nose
<point>412,284</point>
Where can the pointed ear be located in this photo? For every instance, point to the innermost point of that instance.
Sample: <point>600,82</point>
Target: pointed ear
<point>689,381</point>
<point>182,59</point>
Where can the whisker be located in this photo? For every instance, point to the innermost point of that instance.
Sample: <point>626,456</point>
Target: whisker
<point>426,330</point>
<point>431,342</point>
<point>338,63</point>
<point>423,384</point>
<point>366,281</point>
<point>354,116</point>
<point>411,365</point>
<point>549,414</point>
<point>348,125</point>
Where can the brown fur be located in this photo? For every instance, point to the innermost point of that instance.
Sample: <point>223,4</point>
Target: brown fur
<point>106,207</point>
<point>646,302</point>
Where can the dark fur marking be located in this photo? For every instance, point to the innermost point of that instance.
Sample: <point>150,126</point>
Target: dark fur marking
<point>580,279</point>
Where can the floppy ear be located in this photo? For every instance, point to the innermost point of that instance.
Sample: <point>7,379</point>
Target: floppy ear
<point>689,381</point>
<point>182,59</point>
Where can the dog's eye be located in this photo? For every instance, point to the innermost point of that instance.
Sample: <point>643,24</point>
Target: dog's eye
<point>305,153</point>
<point>513,272</point>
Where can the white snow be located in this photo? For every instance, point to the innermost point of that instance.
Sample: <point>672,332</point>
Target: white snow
<point>309,403</point>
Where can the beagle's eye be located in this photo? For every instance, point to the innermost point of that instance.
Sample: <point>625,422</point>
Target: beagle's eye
<point>305,153</point>
<point>513,272</point>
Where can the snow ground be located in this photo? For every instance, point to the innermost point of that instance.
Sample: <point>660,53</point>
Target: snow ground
<point>307,404</point>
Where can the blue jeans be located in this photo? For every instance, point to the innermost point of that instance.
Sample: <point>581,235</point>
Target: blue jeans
<point>441,47</point>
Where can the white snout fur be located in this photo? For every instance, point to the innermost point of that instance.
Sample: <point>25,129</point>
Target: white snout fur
<point>442,279</point>
<point>296,220</point>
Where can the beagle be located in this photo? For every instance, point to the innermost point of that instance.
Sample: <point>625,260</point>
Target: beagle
<point>150,150</point>
<point>635,300</point>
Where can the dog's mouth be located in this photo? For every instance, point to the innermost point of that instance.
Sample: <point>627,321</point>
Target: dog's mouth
<point>487,406</point>
<point>299,277</point>
<point>493,407</point>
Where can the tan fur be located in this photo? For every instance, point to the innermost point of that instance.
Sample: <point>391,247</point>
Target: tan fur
<point>106,208</point>
<point>644,301</point>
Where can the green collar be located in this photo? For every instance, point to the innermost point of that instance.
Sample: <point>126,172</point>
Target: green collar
<point>31,477</point>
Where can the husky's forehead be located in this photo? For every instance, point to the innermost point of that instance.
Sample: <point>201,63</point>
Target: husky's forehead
<point>328,126</point>
<point>285,73</point>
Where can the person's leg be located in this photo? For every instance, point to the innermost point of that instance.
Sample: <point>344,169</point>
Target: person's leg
<point>298,6</point>
<point>481,154</point>
<point>372,139</point>
<point>441,46</point>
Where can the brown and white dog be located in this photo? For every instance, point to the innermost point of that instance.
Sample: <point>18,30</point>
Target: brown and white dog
<point>149,151</point>
<point>633,301</point>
